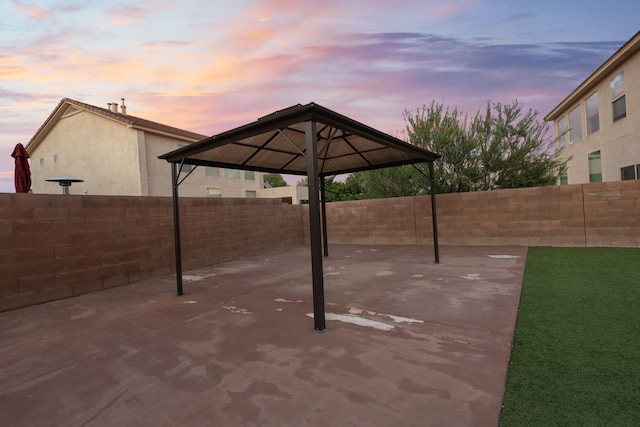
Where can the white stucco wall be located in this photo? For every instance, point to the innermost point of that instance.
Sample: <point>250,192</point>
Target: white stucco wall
<point>618,142</point>
<point>297,193</point>
<point>90,147</point>
<point>197,183</point>
<point>114,159</point>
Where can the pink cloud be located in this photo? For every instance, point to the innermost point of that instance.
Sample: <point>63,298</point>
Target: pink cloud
<point>444,10</point>
<point>10,72</point>
<point>126,15</point>
<point>6,174</point>
<point>281,24</point>
<point>450,9</point>
<point>21,105</point>
<point>33,11</point>
<point>167,44</point>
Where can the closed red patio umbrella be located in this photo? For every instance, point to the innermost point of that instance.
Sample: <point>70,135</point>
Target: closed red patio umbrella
<point>22,174</point>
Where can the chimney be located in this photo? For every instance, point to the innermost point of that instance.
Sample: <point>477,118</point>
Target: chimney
<point>109,106</point>
<point>114,107</point>
<point>123,108</point>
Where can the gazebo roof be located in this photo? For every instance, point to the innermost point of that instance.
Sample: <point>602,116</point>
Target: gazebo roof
<point>277,143</point>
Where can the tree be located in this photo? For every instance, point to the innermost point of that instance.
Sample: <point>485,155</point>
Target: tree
<point>353,189</point>
<point>504,147</point>
<point>336,191</point>
<point>513,149</point>
<point>274,180</point>
<point>392,182</point>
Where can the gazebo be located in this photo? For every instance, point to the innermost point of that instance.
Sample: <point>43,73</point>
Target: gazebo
<point>303,140</point>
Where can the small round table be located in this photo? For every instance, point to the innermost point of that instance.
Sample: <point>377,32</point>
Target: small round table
<point>65,182</point>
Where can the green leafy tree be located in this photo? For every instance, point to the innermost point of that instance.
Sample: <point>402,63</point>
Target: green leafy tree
<point>502,147</point>
<point>392,182</point>
<point>274,180</point>
<point>512,149</point>
<point>336,191</point>
<point>353,189</point>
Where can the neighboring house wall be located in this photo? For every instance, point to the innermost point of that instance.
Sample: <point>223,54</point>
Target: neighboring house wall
<point>86,146</point>
<point>205,181</point>
<point>617,141</point>
<point>55,246</point>
<point>235,184</point>
<point>117,154</point>
<point>297,193</point>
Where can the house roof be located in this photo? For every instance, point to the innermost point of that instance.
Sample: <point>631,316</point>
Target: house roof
<point>65,104</point>
<point>277,143</point>
<point>629,49</point>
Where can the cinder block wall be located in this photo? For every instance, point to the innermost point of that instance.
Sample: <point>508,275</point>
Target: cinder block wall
<point>603,214</point>
<point>57,246</point>
<point>612,214</point>
<point>551,216</point>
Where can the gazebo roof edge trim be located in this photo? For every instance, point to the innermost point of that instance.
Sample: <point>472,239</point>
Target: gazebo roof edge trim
<point>290,116</point>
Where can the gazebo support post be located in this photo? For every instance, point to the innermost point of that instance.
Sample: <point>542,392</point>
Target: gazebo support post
<point>176,227</point>
<point>434,215</point>
<point>325,242</point>
<point>314,225</point>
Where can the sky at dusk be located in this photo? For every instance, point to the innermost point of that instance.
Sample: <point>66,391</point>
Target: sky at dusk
<point>210,65</point>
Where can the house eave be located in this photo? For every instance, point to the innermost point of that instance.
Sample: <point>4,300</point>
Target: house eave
<point>121,119</point>
<point>167,134</point>
<point>629,49</point>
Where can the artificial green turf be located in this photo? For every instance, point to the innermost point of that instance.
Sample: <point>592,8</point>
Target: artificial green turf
<point>576,348</point>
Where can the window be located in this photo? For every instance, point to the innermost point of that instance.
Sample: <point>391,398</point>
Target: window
<point>211,171</point>
<point>185,168</point>
<point>232,173</point>
<point>618,98</point>
<point>250,175</point>
<point>595,167</point>
<point>563,177</point>
<point>619,108</point>
<point>630,172</point>
<point>575,125</point>
<point>250,194</point>
<point>214,192</point>
<point>562,132</point>
<point>593,118</point>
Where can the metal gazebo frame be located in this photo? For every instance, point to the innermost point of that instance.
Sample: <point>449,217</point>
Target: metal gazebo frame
<point>306,140</point>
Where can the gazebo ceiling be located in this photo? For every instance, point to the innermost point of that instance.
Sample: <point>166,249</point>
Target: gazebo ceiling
<point>277,143</point>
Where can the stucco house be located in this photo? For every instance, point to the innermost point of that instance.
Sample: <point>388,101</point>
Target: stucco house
<point>598,124</point>
<point>115,153</point>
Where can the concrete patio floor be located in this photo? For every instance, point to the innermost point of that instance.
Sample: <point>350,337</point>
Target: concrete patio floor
<point>409,343</point>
